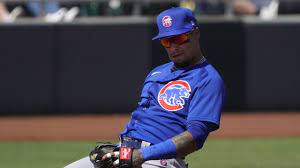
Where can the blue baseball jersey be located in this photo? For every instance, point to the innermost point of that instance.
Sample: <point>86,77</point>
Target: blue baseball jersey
<point>172,99</point>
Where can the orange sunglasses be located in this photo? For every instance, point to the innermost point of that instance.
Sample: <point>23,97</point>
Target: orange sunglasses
<point>178,39</point>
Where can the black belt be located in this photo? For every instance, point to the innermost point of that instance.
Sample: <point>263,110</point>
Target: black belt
<point>134,143</point>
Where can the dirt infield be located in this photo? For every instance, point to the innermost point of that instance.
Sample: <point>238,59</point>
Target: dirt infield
<point>99,127</point>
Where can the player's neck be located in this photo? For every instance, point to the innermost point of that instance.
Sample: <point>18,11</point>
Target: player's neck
<point>198,56</point>
<point>197,60</point>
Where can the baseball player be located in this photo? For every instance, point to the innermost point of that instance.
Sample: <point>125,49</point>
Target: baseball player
<point>180,104</point>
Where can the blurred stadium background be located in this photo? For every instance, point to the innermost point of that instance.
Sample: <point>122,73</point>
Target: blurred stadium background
<point>71,74</point>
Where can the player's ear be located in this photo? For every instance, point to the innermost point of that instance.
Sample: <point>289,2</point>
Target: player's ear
<point>196,33</point>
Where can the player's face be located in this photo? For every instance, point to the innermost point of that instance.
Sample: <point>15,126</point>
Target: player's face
<point>183,49</point>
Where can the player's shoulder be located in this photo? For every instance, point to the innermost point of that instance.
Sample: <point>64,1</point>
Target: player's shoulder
<point>164,66</point>
<point>208,73</point>
<point>213,73</point>
<point>161,69</point>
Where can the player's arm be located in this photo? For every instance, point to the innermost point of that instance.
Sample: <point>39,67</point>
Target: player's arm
<point>185,144</point>
<point>178,146</point>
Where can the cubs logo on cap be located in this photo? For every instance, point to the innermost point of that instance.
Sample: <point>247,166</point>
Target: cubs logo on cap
<point>173,95</point>
<point>175,21</point>
<point>167,21</point>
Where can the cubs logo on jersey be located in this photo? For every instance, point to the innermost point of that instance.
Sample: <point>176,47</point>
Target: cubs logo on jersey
<point>173,95</point>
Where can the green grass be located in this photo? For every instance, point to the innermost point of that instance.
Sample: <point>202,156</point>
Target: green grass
<point>248,153</point>
<point>41,154</point>
<point>217,153</point>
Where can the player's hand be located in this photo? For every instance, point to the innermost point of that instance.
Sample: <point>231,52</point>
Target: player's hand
<point>112,156</point>
<point>126,158</point>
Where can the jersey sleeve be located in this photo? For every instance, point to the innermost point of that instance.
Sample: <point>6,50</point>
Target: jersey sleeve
<point>207,101</point>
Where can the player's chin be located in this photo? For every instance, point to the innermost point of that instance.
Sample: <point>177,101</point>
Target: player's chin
<point>177,62</point>
<point>177,58</point>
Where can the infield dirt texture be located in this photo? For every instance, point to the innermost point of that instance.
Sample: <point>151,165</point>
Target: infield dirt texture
<point>107,127</point>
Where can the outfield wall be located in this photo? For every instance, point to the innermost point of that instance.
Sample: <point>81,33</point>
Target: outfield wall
<point>98,65</point>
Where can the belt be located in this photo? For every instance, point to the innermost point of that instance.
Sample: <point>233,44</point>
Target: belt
<point>134,143</point>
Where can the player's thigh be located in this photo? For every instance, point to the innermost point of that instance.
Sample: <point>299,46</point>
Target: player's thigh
<point>169,163</point>
<point>82,163</point>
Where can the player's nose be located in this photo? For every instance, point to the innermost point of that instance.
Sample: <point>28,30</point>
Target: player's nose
<point>174,45</point>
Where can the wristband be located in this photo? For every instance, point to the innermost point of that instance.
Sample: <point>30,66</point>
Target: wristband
<point>163,150</point>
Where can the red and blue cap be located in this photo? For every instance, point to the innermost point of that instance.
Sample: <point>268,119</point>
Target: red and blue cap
<point>175,21</point>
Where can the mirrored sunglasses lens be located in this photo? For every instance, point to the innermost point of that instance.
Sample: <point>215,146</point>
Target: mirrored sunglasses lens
<point>180,39</point>
<point>165,42</point>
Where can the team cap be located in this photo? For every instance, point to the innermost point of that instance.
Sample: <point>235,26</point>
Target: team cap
<point>175,21</point>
